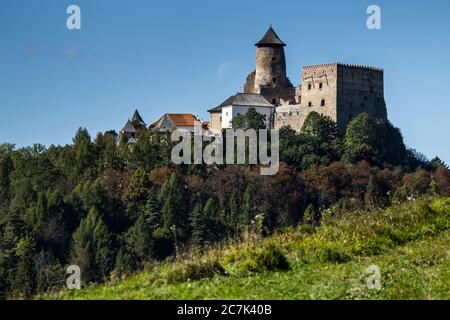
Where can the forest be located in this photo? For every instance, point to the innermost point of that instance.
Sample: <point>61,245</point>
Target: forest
<point>112,209</point>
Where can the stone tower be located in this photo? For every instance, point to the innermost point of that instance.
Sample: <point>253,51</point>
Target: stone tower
<point>337,90</point>
<point>269,78</point>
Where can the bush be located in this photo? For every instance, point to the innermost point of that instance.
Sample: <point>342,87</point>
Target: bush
<point>191,271</point>
<point>332,254</point>
<point>269,258</point>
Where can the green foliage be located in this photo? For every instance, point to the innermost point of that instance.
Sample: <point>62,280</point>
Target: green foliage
<point>373,140</point>
<point>248,211</point>
<point>84,156</point>
<point>310,215</point>
<point>91,247</point>
<point>174,212</point>
<point>269,258</point>
<point>318,143</point>
<point>105,205</point>
<point>193,271</point>
<point>250,120</point>
<point>205,224</point>
<point>327,262</point>
<point>137,194</point>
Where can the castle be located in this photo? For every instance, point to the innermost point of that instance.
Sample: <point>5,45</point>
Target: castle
<point>339,91</point>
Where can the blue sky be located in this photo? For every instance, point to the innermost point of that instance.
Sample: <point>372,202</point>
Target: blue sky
<point>188,56</point>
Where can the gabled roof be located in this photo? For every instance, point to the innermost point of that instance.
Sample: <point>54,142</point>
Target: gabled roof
<point>270,39</point>
<point>171,120</point>
<point>137,118</point>
<point>129,127</point>
<point>244,99</point>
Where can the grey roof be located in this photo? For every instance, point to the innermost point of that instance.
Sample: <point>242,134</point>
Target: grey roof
<point>137,118</point>
<point>270,39</point>
<point>129,127</point>
<point>244,99</point>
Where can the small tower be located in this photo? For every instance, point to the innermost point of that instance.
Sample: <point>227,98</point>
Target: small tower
<point>133,128</point>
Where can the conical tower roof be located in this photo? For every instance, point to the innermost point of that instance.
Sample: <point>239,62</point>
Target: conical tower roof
<point>129,128</point>
<point>270,39</point>
<point>137,118</point>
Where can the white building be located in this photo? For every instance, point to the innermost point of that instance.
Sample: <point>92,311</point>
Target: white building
<point>222,115</point>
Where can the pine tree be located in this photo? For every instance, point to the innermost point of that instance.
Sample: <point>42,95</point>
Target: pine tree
<point>247,207</point>
<point>137,193</point>
<point>198,225</point>
<point>152,210</point>
<point>139,241</point>
<point>234,215</point>
<point>91,247</point>
<point>84,152</point>
<point>173,212</point>
<point>24,281</point>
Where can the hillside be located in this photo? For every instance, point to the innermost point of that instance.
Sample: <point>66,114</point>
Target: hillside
<point>409,242</point>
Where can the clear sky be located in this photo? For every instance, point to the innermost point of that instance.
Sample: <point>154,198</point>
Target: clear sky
<point>188,56</point>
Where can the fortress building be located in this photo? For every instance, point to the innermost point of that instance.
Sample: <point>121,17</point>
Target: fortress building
<point>337,90</point>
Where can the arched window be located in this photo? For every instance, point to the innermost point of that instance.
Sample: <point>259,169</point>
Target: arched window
<point>310,104</point>
<point>322,103</point>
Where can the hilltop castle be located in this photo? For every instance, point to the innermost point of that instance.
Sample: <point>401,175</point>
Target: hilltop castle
<point>337,90</point>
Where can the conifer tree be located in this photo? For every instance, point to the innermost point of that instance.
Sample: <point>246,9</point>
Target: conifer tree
<point>173,212</point>
<point>91,247</point>
<point>198,225</point>
<point>137,193</point>
<point>247,207</point>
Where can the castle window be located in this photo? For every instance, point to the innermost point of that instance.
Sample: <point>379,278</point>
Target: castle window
<point>274,80</point>
<point>350,117</point>
<point>322,103</point>
<point>274,101</point>
<point>371,89</point>
<point>273,59</point>
<point>320,85</point>
<point>310,104</point>
<point>309,86</point>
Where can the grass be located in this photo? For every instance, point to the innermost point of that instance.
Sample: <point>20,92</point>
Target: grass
<point>409,242</point>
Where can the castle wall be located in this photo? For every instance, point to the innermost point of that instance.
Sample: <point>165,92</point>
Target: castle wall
<point>318,90</point>
<point>338,91</point>
<point>360,89</point>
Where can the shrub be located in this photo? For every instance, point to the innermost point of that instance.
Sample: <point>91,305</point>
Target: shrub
<point>269,258</point>
<point>191,271</point>
<point>332,254</point>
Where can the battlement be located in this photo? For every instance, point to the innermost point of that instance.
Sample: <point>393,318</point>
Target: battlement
<point>345,65</point>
